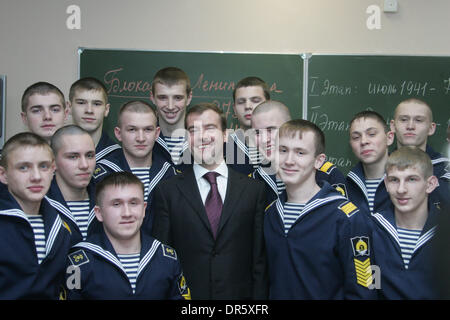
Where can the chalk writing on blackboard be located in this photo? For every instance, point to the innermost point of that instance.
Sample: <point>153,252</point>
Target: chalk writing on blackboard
<point>323,121</point>
<point>115,85</point>
<point>447,85</point>
<point>328,88</point>
<point>340,161</point>
<point>404,88</point>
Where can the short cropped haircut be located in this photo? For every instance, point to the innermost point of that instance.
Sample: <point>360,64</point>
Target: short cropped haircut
<point>87,84</point>
<point>252,82</point>
<point>204,106</point>
<point>137,106</point>
<point>116,179</point>
<point>273,105</point>
<point>23,140</point>
<point>371,115</point>
<point>409,157</point>
<point>41,88</point>
<point>69,130</point>
<point>296,127</point>
<point>171,76</point>
<point>417,101</point>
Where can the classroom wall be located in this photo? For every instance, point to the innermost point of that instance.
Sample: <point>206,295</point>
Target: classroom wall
<point>36,45</point>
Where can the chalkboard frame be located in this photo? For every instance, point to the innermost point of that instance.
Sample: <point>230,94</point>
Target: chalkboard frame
<point>2,109</point>
<point>296,107</point>
<point>309,55</point>
<point>436,142</point>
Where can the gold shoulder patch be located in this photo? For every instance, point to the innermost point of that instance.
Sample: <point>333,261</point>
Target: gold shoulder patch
<point>78,258</point>
<point>169,252</point>
<point>267,208</point>
<point>326,167</point>
<point>348,208</point>
<point>99,171</point>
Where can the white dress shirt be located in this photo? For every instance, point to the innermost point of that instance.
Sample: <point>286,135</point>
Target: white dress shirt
<point>203,184</point>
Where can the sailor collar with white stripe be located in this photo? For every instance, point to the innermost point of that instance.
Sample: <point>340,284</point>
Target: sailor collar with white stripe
<point>154,179</point>
<point>322,198</point>
<point>64,210</point>
<point>355,175</point>
<point>50,233</point>
<point>269,179</point>
<point>164,144</point>
<point>386,219</point>
<point>111,256</point>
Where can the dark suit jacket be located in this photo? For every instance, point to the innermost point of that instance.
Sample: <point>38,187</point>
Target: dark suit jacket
<point>232,266</point>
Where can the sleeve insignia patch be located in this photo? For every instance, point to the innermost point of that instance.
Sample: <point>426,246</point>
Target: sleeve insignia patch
<point>99,171</point>
<point>169,252</point>
<point>327,167</point>
<point>341,188</point>
<point>78,258</point>
<point>363,272</point>
<point>348,208</point>
<point>183,288</point>
<point>360,246</point>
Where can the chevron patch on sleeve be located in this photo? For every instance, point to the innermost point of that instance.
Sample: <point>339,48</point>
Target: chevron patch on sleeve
<point>363,272</point>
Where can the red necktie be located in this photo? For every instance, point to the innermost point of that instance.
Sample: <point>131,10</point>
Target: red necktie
<point>213,203</point>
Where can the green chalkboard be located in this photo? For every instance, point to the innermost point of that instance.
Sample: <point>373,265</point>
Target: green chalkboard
<point>340,86</point>
<point>127,74</point>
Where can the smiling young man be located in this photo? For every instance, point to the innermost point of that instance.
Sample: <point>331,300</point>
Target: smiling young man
<point>213,216</point>
<point>171,94</point>
<point>313,234</point>
<point>267,118</point>
<point>121,262</point>
<point>241,155</point>
<point>137,130</point>
<point>71,190</point>
<point>34,237</point>
<point>403,233</point>
<point>369,140</point>
<point>88,105</point>
<point>43,109</point>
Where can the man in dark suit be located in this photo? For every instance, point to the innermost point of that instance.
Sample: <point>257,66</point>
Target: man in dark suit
<point>214,221</point>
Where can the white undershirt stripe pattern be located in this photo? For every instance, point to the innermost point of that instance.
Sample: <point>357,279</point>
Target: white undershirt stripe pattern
<point>37,223</point>
<point>144,175</point>
<point>255,157</point>
<point>372,185</point>
<point>408,240</point>
<point>175,146</point>
<point>80,211</point>
<point>130,263</point>
<point>291,213</point>
<point>280,186</point>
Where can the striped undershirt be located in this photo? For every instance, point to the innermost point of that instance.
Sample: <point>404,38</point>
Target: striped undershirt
<point>80,211</point>
<point>144,175</point>
<point>408,239</point>
<point>175,145</point>
<point>255,157</point>
<point>130,263</point>
<point>280,186</point>
<point>371,186</point>
<point>291,212</point>
<point>37,223</point>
